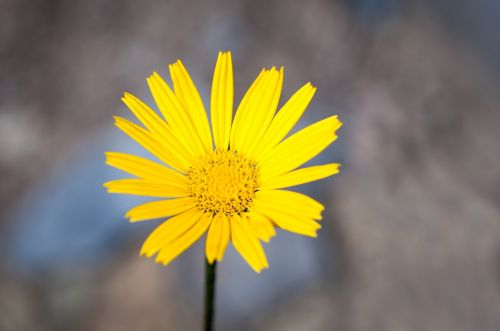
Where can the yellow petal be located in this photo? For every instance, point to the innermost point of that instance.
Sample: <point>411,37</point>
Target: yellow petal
<point>247,244</point>
<point>285,119</point>
<point>186,240</point>
<point>246,109</point>
<point>239,116</point>
<point>264,113</point>
<point>217,238</point>
<point>160,130</point>
<point>170,230</point>
<point>146,140</point>
<point>189,97</point>
<point>221,102</point>
<point>257,113</point>
<point>262,225</point>
<point>291,202</point>
<point>145,187</point>
<point>287,221</point>
<point>145,168</point>
<point>157,209</point>
<point>299,148</point>
<point>176,115</point>
<point>301,176</point>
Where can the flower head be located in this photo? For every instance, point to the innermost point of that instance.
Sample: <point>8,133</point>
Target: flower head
<point>229,180</point>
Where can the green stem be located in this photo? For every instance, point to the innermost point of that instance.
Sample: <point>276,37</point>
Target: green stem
<point>210,272</point>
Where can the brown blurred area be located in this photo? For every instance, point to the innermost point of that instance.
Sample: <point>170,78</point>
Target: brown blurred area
<point>415,212</point>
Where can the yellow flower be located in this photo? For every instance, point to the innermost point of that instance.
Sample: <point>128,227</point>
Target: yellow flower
<point>231,186</point>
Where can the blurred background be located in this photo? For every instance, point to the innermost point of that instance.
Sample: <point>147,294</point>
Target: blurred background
<point>411,234</point>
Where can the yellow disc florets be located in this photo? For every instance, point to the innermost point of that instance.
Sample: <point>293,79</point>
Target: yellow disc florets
<point>223,182</point>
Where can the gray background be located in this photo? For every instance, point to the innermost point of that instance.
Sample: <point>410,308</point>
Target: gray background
<point>410,239</point>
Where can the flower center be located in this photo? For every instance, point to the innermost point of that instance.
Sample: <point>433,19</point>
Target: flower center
<point>223,181</point>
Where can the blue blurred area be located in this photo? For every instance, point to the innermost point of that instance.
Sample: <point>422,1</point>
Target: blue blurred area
<point>68,220</point>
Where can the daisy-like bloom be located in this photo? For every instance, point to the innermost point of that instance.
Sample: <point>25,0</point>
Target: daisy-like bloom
<point>229,181</point>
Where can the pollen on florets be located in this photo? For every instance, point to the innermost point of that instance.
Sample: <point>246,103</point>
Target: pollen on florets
<point>223,182</point>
